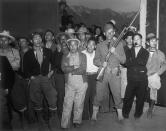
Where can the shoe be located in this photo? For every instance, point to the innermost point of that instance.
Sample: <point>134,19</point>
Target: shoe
<point>95,112</point>
<point>54,122</point>
<point>120,116</point>
<point>149,114</point>
<point>76,125</point>
<point>42,125</point>
<point>125,116</point>
<point>23,119</point>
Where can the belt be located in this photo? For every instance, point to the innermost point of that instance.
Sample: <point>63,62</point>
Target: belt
<point>115,71</point>
<point>91,73</point>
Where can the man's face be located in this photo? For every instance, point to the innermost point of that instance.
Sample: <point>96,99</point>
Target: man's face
<point>23,43</point>
<point>63,39</point>
<point>71,35</point>
<point>129,40</point>
<point>153,42</point>
<point>82,36</point>
<point>110,33</point>
<point>137,41</point>
<point>73,46</point>
<point>37,40</point>
<point>4,42</point>
<point>49,36</point>
<point>91,46</point>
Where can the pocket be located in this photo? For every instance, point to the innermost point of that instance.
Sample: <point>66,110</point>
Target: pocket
<point>116,72</point>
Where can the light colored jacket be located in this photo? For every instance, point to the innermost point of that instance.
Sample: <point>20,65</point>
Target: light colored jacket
<point>156,63</point>
<point>78,71</point>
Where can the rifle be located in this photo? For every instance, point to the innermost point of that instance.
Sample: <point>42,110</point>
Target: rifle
<point>101,72</point>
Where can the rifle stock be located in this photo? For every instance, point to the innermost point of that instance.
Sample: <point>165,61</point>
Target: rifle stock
<point>100,75</point>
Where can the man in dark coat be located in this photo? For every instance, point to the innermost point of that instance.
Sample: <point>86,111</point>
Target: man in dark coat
<point>136,60</point>
<point>37,68</point>
<point>6,75</point>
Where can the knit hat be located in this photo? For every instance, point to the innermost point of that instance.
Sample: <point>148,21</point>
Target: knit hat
<point>108,26</point>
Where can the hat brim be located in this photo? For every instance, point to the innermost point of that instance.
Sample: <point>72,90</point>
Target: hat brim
<point>8,36</point>
<point>61,34</point>
<point>81,32</point>
<point>69,40</point>
<point>153,37</point>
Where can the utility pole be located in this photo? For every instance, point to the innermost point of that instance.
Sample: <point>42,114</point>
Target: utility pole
<point>158,17</point>
<point>143,15</point>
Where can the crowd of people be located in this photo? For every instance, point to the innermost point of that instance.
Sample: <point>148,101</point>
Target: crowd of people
<point>54,76</point>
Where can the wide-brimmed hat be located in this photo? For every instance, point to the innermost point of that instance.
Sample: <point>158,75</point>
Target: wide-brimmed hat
<point>150,36</point>
<point>7,34</point>
<point>70,40</point>
<point>62,34</point>
<point>70,31</point>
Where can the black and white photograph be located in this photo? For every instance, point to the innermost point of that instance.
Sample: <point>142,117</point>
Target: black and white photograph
<point>82,65</point>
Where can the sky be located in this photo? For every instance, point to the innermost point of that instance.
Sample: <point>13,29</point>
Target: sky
<point>116,5</point>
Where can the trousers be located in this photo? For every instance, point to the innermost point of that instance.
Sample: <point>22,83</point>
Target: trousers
<point>41,87</point>
<point>113,81</point>
<point>138,89</point>
<point>74,95</point>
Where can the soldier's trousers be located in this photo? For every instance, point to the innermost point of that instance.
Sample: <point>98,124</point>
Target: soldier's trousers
<point>112,81</point>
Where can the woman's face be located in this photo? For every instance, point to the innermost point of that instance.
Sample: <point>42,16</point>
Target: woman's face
<point>49,36</point>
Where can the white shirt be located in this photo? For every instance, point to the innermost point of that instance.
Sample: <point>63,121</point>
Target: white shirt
<point>91,68</point>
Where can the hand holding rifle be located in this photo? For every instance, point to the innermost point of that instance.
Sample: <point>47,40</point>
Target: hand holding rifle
<point>111,51</point>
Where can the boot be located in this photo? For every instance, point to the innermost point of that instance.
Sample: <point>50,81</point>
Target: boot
<point>150,110</point>
<point>42,125</point>
<point>95,112</point>
<point>120,116</point>
<point>54,122</point>
<point>23,119</point>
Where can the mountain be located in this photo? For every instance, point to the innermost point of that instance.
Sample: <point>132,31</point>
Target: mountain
<point>99,16</point>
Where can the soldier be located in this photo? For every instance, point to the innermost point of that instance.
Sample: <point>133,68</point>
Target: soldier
<point>112,73</point>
